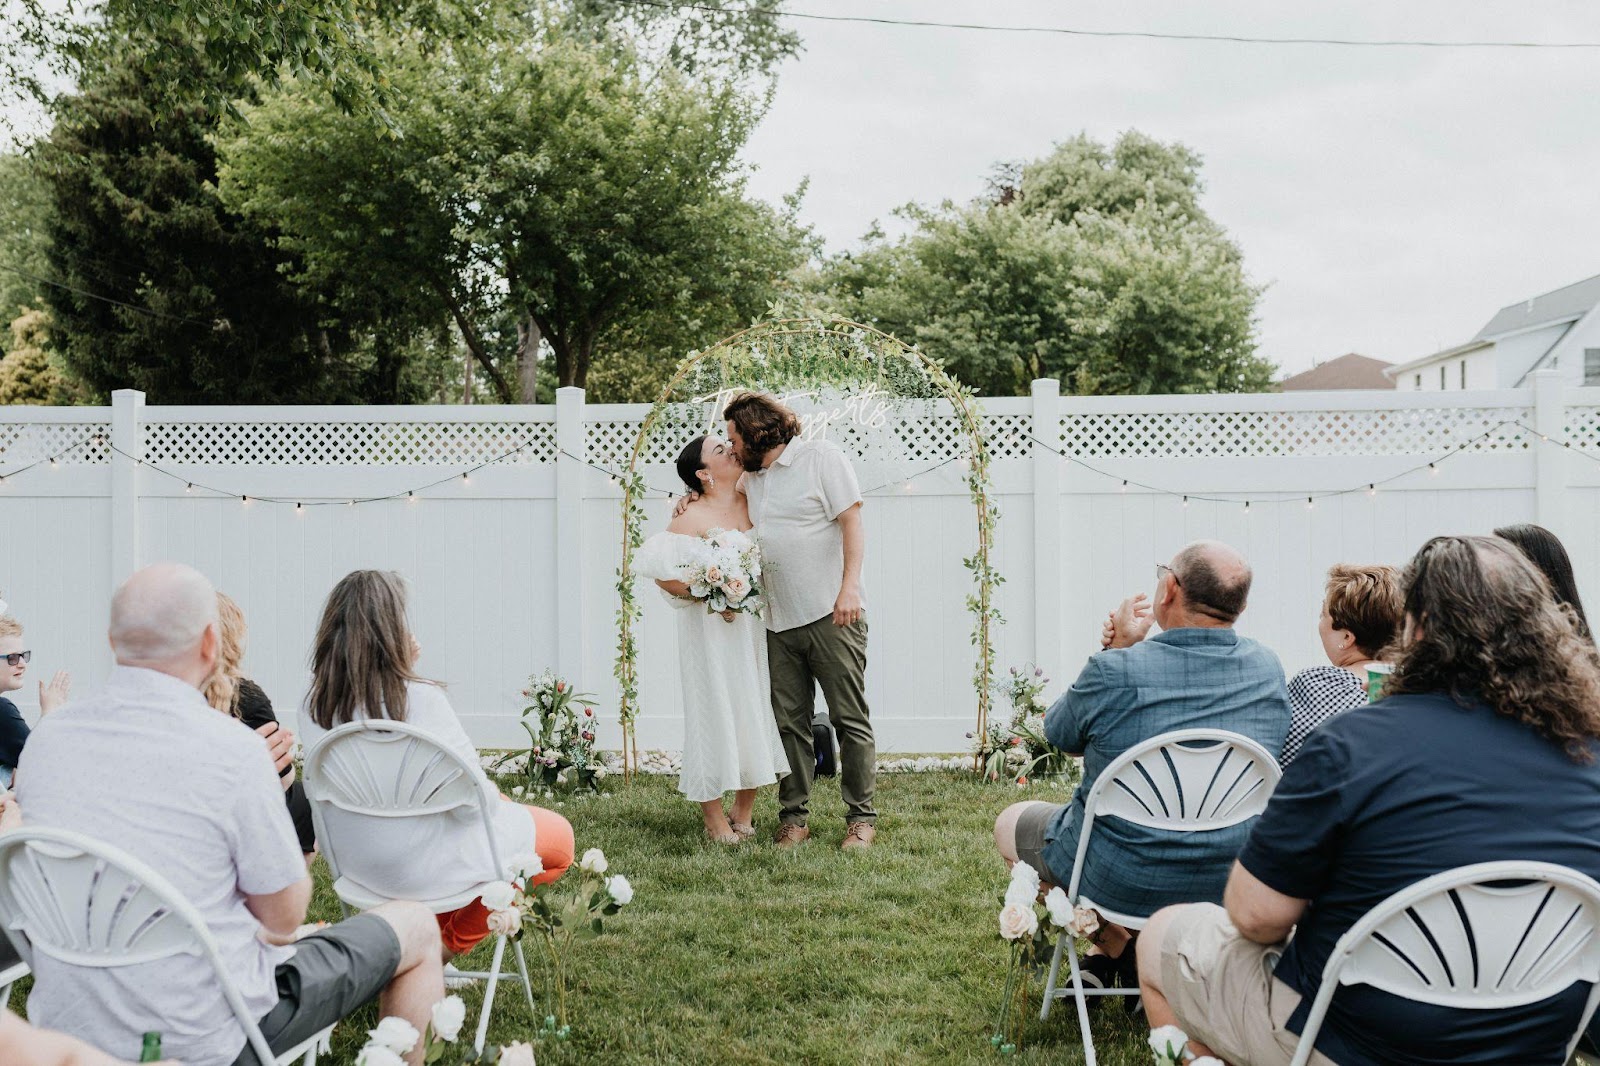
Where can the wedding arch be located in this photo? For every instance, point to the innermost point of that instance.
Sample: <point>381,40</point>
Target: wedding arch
<point>816,355</point>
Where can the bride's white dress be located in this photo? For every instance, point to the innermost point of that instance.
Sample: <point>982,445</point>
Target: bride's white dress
<point>730,739</point>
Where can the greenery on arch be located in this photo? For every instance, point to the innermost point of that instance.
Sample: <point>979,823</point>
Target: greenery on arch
<point>801,354</point>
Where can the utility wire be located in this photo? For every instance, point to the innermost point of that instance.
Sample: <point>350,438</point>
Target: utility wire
<point>1340,42</point>
<point>106,299</point>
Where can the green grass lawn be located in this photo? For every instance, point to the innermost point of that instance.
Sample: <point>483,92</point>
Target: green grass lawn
<point>751,955</point>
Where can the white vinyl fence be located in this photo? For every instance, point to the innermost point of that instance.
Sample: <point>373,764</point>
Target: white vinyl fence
<point>513,569</point>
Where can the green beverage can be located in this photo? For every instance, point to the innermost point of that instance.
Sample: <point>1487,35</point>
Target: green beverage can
<point>1376,672</point>
<point>151,1051</point>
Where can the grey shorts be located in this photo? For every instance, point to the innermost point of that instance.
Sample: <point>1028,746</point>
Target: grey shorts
<point>1031,826</point>
<point>332,973</point>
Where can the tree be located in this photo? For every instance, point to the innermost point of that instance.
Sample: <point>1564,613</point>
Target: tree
<point>26,373</point>
<point>1095,266</point>
<point>157,286</point>
<point>24,235</point>
<point>554,191</point>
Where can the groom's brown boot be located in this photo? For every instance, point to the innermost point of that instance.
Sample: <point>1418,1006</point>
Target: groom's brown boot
<point>790,835</point>
<point>858,836</point>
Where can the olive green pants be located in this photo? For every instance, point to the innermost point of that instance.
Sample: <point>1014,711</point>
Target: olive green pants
<point>834,657</point>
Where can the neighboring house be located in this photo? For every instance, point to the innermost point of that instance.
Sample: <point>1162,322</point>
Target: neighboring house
<point>1557,331</point>
<point>1350,371</point>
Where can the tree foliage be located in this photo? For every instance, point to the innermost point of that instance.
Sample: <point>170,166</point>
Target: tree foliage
<point>26,374</point>
<point>157,285</point>
<point>24,235</point>
<point>1095,266</point>
<point>547,189</point>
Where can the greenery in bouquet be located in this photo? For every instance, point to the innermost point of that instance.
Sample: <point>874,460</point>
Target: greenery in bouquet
<point>725,576</point>
<point>1017,749</point>
<point>561,729</point>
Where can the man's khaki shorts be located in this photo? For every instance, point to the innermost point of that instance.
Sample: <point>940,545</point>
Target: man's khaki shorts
<point>1221,987</point>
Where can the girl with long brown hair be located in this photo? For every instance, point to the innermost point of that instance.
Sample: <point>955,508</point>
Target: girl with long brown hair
<point>363,666</point>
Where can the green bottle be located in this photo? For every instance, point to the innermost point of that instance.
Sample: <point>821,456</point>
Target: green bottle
<point>151,1052</point>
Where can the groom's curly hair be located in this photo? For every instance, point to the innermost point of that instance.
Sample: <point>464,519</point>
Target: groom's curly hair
<point>763,422</point>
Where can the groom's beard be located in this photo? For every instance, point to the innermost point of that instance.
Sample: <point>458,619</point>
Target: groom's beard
<point>752,463</point>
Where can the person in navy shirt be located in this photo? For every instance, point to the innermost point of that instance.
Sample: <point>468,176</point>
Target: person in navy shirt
<point>1483,749</point>
<point>14,659</point>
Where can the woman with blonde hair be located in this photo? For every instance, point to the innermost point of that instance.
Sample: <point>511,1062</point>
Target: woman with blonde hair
<point>230,692</point>
<point>363,667</point>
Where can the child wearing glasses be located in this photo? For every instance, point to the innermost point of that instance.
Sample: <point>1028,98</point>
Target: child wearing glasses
<point>14,659</point>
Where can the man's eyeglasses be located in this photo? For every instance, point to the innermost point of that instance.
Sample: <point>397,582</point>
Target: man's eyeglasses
<point>17,658</point>
<point>1160,567</point>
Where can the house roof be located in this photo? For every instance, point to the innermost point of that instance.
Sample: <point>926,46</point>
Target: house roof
<point>1461,349</point>
<point>1349,371</point>
<point>1571,301</point>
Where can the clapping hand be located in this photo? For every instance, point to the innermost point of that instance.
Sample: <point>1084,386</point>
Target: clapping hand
<point>1129,623</point>
<point>55,693</point>
<point>280,745</point>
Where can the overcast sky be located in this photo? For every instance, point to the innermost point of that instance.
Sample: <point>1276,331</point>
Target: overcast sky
<point>1391,200</point>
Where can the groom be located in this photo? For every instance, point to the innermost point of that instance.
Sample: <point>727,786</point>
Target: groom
<point>806,506</point>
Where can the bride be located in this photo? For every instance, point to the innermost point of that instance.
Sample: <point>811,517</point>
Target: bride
<point>730,740</point>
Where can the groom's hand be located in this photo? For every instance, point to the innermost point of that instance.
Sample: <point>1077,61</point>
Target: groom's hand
<point>847,609</point>
<point>683,503</point>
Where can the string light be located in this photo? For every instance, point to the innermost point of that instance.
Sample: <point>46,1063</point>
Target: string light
<point>244,499</point>
<point>189,487</point>
<point>411,495</point>
<point>1124,484</point>
<point>1310,503</point>
<point>1186,501</point>
<point>1247,507</point>
<point>1433,468</point>
<point>466,477</point>
<point>1372,490</point>
<point>299,508</point>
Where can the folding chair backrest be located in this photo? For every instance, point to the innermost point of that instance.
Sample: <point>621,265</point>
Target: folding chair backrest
<point>385,769</point>
<point>1495,934</point>
<point>72,898</point>
<point>1186,781</point>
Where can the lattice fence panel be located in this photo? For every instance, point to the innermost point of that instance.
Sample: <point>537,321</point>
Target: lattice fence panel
<point>1238,434</point>
<point>1583,427</point>
<point>74,443</point>
<point>348,443</point>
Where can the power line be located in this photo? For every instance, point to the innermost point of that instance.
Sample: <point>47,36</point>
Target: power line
<point>106,299</point>
<point>1151,35</point>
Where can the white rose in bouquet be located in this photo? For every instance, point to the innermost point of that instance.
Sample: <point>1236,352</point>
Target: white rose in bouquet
<point>505,922</point>
<point>498,895</point>
<point>1056,905</point>
<point>1168,1042</point>
<point>378,1055</point>
<point>737,589</point>
<point>1018,922</point>
<point>620,890</point>
<point>593,861</point>
<point>448,1014</point>
<point>396,1034</point>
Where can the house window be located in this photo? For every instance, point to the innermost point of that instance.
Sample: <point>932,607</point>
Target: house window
<point>1591,366</point>
<point>1419,382</point>
<point>1463,373</point>
<point>1442,385</point>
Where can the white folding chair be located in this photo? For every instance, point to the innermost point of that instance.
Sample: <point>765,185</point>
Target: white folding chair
<point>1186,781</point>
<point>79,901</point>
<point>1480,937</point>
<point>384,769</point>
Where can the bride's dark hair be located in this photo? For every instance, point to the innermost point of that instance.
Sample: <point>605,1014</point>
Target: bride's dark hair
<point>690,463</point>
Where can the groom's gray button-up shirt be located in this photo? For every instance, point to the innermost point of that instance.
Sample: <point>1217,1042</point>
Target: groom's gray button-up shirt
<point>795,504</point>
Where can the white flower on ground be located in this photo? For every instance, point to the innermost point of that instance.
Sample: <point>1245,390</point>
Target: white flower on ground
<point>1085,922</point>
<point>1018,921</point>
<point>1205,1060</point>
<point>378,1055</point>
<point>1168,1042</point>
<point>505,922</point>
<point>396,1034</point>
<point>448,1014</point>
<point>620,891</point>
<point>1056,905</point>
<point>498,895</point>
<point>519,790</point>
<point>518,1054</point>
<point>593,861</point>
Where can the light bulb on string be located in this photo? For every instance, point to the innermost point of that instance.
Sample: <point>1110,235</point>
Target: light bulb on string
<point>411,495</point>
<point>1372,490</point>
<point>244,500</point>
<point>189,487</point>
<point>1124,484</point>
<point>1433,468</point>
<point>1247,507</point>
<point>299,508</point>
<point>1310,503</point>
<point>1186,501</point>
<point>466,477</point>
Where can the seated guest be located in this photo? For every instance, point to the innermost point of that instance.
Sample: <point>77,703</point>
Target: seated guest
<point>1482,749</point>
<point>1545,550</point>
<point>363,666</point>
<point>1197,673</point>
<point>21,1043</point>
<point>230,692</point>
<point>147,766</point>
<point>14,659</point>
<point>1360,615</point>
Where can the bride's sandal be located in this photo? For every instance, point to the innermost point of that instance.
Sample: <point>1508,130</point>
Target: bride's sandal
<point>730,837</point>
<point>746,830</point>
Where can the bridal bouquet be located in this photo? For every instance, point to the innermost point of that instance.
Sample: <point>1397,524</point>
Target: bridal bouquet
<point>724,573</point>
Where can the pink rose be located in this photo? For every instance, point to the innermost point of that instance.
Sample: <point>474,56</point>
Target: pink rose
<point>1018,921</point>
<point>505,922</point>
<point>737,589</point>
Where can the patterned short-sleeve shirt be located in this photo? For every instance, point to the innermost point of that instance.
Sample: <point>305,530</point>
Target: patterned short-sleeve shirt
<point>1316,695</point>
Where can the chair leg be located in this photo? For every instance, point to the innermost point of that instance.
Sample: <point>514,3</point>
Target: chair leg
<point>527,985</point>
<point>1050,982</point>
<point>488,993</point>
<point>1083,1008</point>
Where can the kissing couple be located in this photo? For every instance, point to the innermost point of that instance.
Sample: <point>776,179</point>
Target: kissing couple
<point>791,508</point>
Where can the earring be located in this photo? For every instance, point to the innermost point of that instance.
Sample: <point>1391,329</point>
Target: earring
<point>710,481</point>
